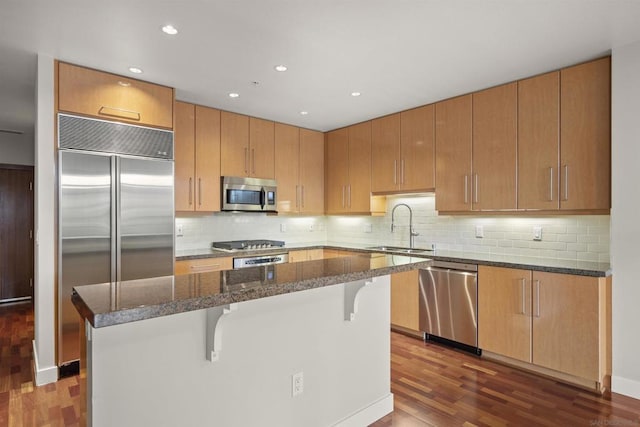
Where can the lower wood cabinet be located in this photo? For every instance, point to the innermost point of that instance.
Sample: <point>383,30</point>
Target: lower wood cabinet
<point>305,255</point>
<point>202,265</point>
<point>557,322</point>
<point>404,300</point>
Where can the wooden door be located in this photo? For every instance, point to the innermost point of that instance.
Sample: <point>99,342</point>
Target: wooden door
<point>337,170</point>
<point>417,149</point>
<point>566,324</point>
<point>495,148</point>
<point>504,311</point>
<point>16,232</point>
<point>311,172</point>
<point>207,159</point>
<point>184,152</point>
<point>234,144</point>
<point>539,142</point>
<point>404,300</point>
<point>385,154</point>
<point>262,148</point>
<point>585,136</point>
<point>287,170</point>
<point>359,187</point>
<point>453,154</point>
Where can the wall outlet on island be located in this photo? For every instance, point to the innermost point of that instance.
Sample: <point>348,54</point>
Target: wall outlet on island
<point>297,384</point>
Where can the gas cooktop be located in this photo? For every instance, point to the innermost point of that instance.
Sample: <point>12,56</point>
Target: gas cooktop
<point>243,245</point>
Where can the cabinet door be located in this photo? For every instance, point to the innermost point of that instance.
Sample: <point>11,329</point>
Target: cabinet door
<point>337,170</point>
<point>184,156</point>
<point>453,154</point>
<point>417,149</point>
<point>504,311</point>
<point>566,323</point>
<point>385,153</point>
<point>298,256</point>
<point>207,159</point>
<point>359,187</point>
<point>311,172</point>
<point>234,144</point>
<point>538,142</point>
<point>262,148</point>
<point>404,300</point>
<point>112,97</point>
<point>287,154</point>
<point>202,265</point>
<point>585,136</point>
<point>494,148</point>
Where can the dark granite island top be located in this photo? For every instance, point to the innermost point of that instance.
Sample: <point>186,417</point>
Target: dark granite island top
<point>114,303</point>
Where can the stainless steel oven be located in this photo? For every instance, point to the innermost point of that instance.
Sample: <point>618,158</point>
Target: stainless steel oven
<point>248,194</point>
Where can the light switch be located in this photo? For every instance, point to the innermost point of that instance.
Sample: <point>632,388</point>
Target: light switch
<point>537,233</point>
<point>479,231</point>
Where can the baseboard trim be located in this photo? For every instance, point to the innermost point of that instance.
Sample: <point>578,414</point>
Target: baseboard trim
<point>43,376</point>
<point>625,386</point>
<point>370,414</point>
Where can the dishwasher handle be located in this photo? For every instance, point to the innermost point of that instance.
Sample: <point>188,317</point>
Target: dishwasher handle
<point>448,265</point>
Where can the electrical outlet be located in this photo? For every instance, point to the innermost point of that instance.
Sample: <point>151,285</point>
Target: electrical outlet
<point>479,231</point>
<point>297,384</point>
<point>179,230</point>
<point>312,227</point>
<point>537,233</point>
<point>368,228</point>
<point>283,228</point>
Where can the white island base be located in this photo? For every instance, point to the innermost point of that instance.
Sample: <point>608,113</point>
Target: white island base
<point>156,372</point>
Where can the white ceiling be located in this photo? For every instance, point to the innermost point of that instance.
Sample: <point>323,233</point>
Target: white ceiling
<point>398,53</point>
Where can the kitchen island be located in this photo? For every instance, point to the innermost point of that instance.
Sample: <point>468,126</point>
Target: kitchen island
<point>292,344</point>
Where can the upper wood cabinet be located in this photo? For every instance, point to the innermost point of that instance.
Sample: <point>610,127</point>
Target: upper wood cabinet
<point>402,152</point>
<point>111,97</point>
<point>495,148</point>
<point>247,146</point>
<point>299,169</point>
<point>453,154</point>
<point>337,170</point>
<point>585,136</point>
<point>197,158</point>
<point>539,142</point>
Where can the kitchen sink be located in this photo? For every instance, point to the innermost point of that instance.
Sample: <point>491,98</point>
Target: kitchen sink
<point>399,249</point>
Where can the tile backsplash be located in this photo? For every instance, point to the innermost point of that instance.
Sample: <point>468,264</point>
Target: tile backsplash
<point>582,237</point>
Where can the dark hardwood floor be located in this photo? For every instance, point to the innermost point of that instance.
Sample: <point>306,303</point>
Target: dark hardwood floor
<point>432,386</point>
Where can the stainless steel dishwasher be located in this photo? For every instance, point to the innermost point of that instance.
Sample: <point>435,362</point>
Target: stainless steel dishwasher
<point>449,304</point>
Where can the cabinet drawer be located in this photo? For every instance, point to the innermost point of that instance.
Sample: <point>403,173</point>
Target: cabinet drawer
<point>203,264</point>
<point>112,97</point>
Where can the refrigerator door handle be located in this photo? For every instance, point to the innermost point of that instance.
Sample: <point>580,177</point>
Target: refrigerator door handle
<point>116,235</point>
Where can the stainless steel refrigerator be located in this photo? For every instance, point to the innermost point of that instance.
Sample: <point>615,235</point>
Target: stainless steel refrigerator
<point>115,213</point>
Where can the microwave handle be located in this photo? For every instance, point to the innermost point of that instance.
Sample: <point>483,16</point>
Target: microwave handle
<point>262,198</point>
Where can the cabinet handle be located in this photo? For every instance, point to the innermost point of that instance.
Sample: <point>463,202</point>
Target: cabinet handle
<point>190,191</point>
<point>402,171</point>
<point>551,184</point>
<point>199,191</point>
<point>395,172</point>
<point>343,191</point>
<point>253,160</point>
<point>118,112</point>
<point>466,189</point>
<point>537,298</point>
<point>246,160</point>
<point>475,195</point>
<point>302,196</point>
<point>566,183</point>
<point>522,287</point>
<point>349,195</point>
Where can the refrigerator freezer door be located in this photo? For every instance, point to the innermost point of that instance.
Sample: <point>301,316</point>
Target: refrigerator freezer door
<point>146,218</point>
<point>84,238</point>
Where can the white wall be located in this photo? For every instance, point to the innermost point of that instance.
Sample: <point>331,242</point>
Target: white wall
<point>625,227</point>
<point>16,149</point>
<point>44,275</point>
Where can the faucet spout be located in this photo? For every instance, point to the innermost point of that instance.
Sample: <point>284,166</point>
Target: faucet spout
<point>412,233</point>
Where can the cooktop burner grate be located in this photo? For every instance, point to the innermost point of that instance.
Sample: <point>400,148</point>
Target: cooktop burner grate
<point>247,244</point>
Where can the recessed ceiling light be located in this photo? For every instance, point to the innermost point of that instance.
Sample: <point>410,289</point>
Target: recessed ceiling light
<point>280,68</point>
<point>135,70</point>
<point>233,95</point>
<point>304,113</point>
<point>355,94</point>
<point>170,29</point>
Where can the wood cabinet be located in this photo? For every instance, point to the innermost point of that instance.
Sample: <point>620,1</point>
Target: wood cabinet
<point>111,97</point>
<point>202,265</point>
<point>554,321</point>
<point>402,152</point>
<point>348,171</point>
<point>299,169</point>
<point>453,154</point>
<point>197,158</point>
<point>404,300</point>
<point>247,146</point>
<point>306,255</point>
<point>336,253</point>
<point>585,136</point>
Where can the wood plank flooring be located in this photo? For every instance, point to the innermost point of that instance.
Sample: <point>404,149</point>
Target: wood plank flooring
<point>432,386</point>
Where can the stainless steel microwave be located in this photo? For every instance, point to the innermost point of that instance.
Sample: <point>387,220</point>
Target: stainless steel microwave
<point>248,194</point>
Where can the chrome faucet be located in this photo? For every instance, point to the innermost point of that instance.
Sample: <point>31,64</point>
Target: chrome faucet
<point>412,233</point>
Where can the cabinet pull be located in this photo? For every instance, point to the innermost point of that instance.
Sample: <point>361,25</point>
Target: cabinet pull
<point>475,195</point>
<point>402,171</point>
<point>199,191</point>
<point>246,160</point>
<point>119,112</point>
<point>302,196</point>
<point>522,287</point>
<point>297,198</point>
<point>343,191</point>
<point>566,183</point>
<point>190,191</point>
<point>253,160</point>
<point>466,189</point>
<point>551,184</point>
<point>395,172</point>
<point>537,298</point>
<point>349,195</point>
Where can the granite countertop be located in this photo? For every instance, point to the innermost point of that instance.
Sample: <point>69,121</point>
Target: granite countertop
<point>114,303</point>
<point>552,265</point>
